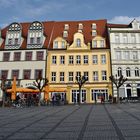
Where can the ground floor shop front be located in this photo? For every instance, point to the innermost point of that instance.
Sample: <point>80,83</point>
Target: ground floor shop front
<point>88,94</point>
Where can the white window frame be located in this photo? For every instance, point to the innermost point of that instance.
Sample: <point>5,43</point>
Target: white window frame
<point>78,59</point>
<point>95,59</point>
<point>53,76</point>
<point>62,59</point>
<point>104,75</point>
<point>71,59</point>
<point>54,59</point>
<point>85,59</point>
<point>95,76</point>
<point>71,74</point>
<point>103,59</point>
<point>62,76</point>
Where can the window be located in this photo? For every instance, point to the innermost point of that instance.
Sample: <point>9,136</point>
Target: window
<point>17,56</point>
<point>31,40</point>
<point>102,43</point>
<point>95,75</point>
<point>28,56</point>
<point>65,34</point>
<point>16,41</point>
<point>104,77</point>
<point>137,72</point>
<point>103,59</point>
<point>78,59</point>
<point>53,59</point>
<point>128,74</point>
<point>70,76</point>
<point>118,55</point>
<point>39,55</point>
<point>71,59</point>
<point>78,42</point>
<point>86,75</point>
<point>93,26</point>
<point>6,56</point>
<point>15,73</point>
<point>135,55</point>
<point>94,43</point>
<point>94,33</point>
<point>62,77</point>
<point>78,75</point>
<point>53,77</point>
<point>117,39</point>
<point>133,38</point>
<point>85,59</point>
<point>63,44</point>
<point>38,73</point>
<point>26,74</point>
<point>9,41</point>
<point>126,55</point>
<point>38,40</point>
<point>66,27</point>
<point>55,44</point>
<point>95,59</point>
<point>62,59</point>
<point>80,26</point>
<point>4,74</point>
<point>119,72</point>
<point>125,39</point>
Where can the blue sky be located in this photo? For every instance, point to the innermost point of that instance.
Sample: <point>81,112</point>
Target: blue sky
<point>115,11</point>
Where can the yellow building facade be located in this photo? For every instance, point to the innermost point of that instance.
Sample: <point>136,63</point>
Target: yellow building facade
<point>65,62</point>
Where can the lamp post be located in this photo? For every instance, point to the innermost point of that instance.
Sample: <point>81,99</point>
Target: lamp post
<point>118,83</point>
<point>80,80</point>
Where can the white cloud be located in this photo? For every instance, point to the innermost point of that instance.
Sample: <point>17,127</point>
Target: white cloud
<point>123,19</point>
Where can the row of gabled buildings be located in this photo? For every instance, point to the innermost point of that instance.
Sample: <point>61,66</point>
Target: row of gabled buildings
<point>60,51</point>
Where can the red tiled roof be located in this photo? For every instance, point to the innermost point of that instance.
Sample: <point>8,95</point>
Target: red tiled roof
<point>53,29</point>
<point>110,25</point>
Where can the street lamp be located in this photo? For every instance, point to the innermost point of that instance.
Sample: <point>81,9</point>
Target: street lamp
<point>80,80</point>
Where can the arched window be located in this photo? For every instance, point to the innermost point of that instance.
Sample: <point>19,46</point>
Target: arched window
<point>128,73</point>
<point>137,72</point>
<point>13,36</point>
<point>35,35</point>
<point>78,42</point>
<point>119,71</point>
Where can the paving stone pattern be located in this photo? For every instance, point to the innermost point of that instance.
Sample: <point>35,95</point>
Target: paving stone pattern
<point>71,122</point>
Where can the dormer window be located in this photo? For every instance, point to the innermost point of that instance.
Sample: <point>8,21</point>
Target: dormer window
<point>102,43</point>
<point>9,41</point>
<point>94,33</point>
<point>38,40</point>
<point>80,26</point>
<point>94,43</point>
<point>94,26</point>
<point>55,44</point>
<point>65,34</point>
<point>35,35</point>
<point>80,31</point>
<point>78,42</point>
<point>63,44</point>
<point>66,27</point>
<point>13,36</point>
<point>31,40</point>
<point>16,41</point>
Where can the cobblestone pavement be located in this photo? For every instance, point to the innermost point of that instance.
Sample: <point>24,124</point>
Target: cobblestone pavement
<point>71,122</point>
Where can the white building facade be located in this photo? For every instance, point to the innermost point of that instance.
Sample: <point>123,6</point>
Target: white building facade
<point>125,57</point>
<point>22,56</point>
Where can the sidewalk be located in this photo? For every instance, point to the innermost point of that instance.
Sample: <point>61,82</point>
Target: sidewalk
<point>84,122</point>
